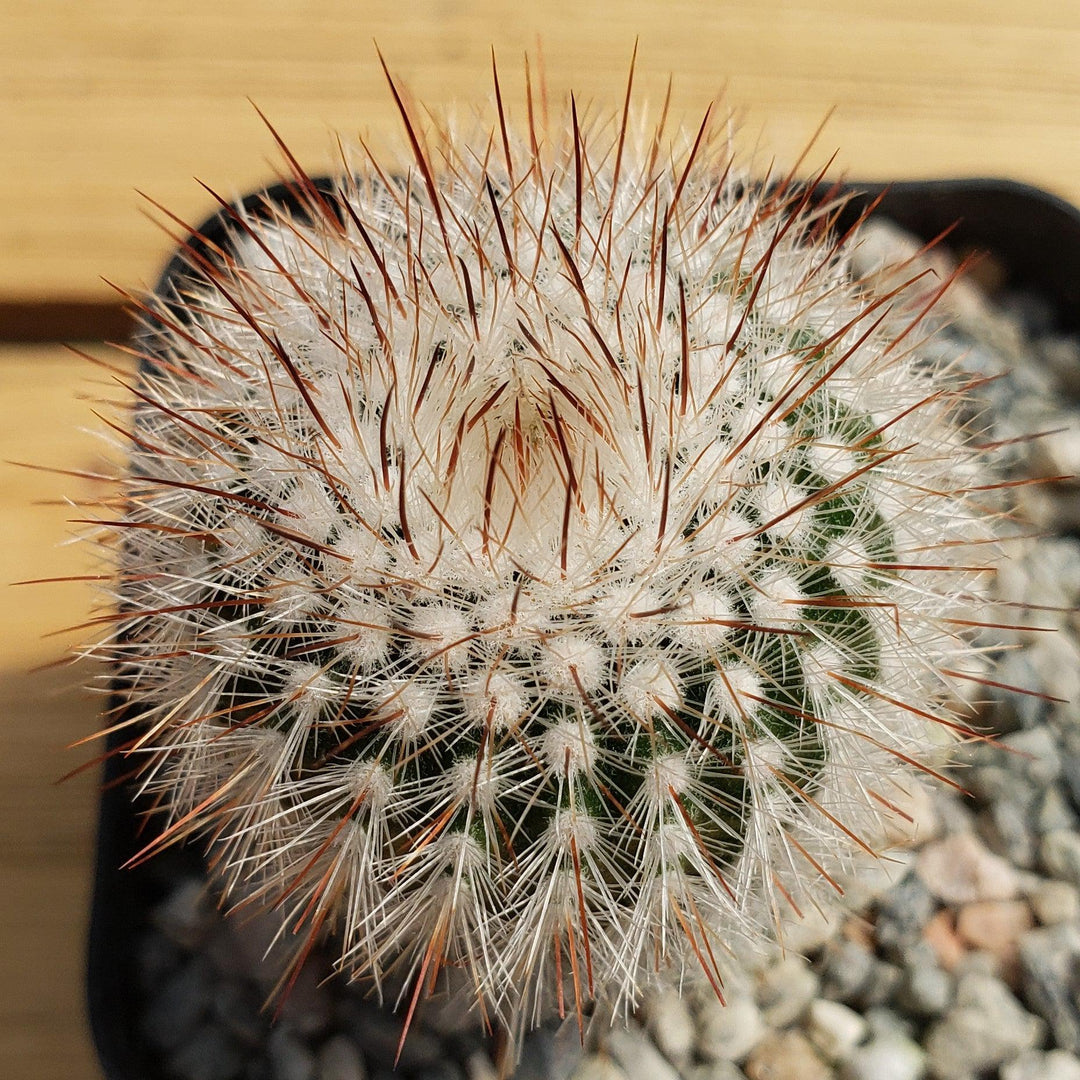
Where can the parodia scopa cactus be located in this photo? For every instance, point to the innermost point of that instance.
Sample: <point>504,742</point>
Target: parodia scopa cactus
<point>537,558</point>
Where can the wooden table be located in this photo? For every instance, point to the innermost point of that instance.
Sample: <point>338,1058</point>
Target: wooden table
<point>100,98</point>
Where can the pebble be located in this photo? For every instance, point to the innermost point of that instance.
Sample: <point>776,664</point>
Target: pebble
<point>1005,825</point>
<point>884,1020</point>
<point>445,1069</point>
<point>922,822</point>
<point>596,1067</point>
<point>1055,902</point>
<point>1013,708</point>
<point>1050,975</point>
<point>637,1056</point>
<point>874,877</point>
<point>668,1021</point>
<point>378,1032</point>
<point>1070,766</point>
<point>785,990</point>
<point>1035,1065</point>
<point>208,1054</point>
<point>885,979</point>
<point>554,1050</point>
<point>480,1067</point>
<point>184,916</point>
<point>940,933</point>
<point>834,1029</point>
<point>890,1056</point>
<point>307,1006</point>
<point>846,968</point>
<point>1055,812</point>
<point>339,1059</point>
<point>1059,853</point>
<point>289,1056</point>
<point>903,911</point>
<point>728,1032</point>
<point>786,1055</point>
<point>927,989</point>
<point>815,928</point>
<point>1034,754</point>
<point>995,926</point>
<point>986,1027</point>
<point>960,870</point>
<point>156,957</point>
<point>173,1013</point>
<point>714,1070</point>
<point>238,1009</point>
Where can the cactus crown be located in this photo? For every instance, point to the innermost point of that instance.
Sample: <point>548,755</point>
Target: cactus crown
<point>537,560</point>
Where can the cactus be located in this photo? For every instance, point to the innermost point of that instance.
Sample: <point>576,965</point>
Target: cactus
<point>538,560</point>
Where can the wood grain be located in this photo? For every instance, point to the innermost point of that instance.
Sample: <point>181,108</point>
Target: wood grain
<point>103,97</point>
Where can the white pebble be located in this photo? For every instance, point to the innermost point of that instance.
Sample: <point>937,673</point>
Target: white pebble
<point>834,1029</point>
<point>729,1032</point>
<point>593,1067</point>
<point>339,1059</point>
<point>1035,1065</point>
<point>668,1021</point>
<point>887,1057</point>
<point>785,990</point>
<point>961,870</point>
<point>632,1050</point>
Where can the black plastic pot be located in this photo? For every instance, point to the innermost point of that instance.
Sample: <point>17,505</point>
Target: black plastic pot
<point>1034,237</point>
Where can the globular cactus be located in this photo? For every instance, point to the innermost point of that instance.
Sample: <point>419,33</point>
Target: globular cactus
<point>538,558</point>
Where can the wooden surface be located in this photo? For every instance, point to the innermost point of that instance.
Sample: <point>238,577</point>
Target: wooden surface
<point>100,98</point>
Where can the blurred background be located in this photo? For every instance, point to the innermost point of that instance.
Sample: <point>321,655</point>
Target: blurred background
<point>104,98</point>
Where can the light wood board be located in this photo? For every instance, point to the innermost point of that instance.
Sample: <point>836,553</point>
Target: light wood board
<point>106,96</point>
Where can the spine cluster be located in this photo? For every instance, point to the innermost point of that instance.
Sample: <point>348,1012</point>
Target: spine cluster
<point>538,559</point>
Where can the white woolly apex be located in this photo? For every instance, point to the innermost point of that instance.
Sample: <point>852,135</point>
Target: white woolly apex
<point>442,636</point>
<point>571,824</point>
<point>778,601</point>
<point>477,782</point>
<point>647,687</point>
<point>498,699</point>
<point>363,631</point>
<point>310,689</point>
<point>572,659</point>
<point>733,693</point>
<point>782,514</point>
<point>627,612</point>
<point>703,618</point>
<point>371,780</point>
<point>665,776</point>
<point>569,747</point>
<point>416,704</point>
